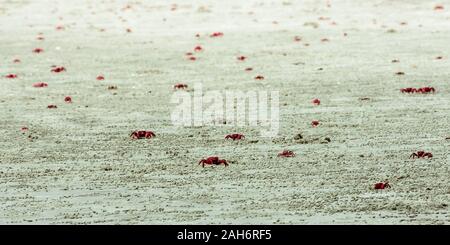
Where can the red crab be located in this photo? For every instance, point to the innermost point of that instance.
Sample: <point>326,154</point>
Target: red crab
<point>316,101</point>
<point>235,136</point>
<point>192,58</point>
<point>241,58</point>
<point>58,69</point>
<point>421,154</point>
<point>68,99</point>
<point>325,40</point>
<point>38,50</point>
<point>16,60</point>
<point>142,134</point>
<point>424,90</point>
<point>40,85</point>
<point>248,69</point>
<point>315,123</point>
<point>198,49</point>
<point>259,77</point>
<point>438,7</point>
<point>52,106</point>
<point>100,77</point>
<point>11,76</point>
<point>180,86</point>
<point>189,54</point>
<point>408,90</point>
<point>381,185</point>
<point>216,34</point>
<point>40,38</point>
<point>286,153</point>
<point>213,161</point>
<point>23,129</point>
<point>59,28</point>
<point>297,38</point>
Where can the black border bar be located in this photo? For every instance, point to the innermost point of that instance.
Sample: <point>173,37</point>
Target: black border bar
<point>142,234</point>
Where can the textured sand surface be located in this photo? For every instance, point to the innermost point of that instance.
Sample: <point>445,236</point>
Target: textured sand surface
<point>77,163</point>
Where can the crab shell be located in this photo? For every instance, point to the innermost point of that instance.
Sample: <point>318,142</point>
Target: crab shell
<point>213,161</point>
<point>316,101</point>
<point>286,153</point>
<point>235,136</point>
<point>58,69</point>
<point>180,86</point>
<point>381,185</point>
<point>40,85</point>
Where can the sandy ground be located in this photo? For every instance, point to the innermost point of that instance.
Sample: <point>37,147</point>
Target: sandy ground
<point>77,164</point>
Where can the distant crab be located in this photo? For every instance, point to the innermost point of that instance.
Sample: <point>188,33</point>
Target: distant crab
<point>423,90</point>
<point>11,76</point>
<point>408,90</point>
<point>421,154</point>
<point>286,153</point>
<point>142,134</point>
<point>38,50</point>
<point>315,123</point>
<point>241,58</point>
<point>58,69</point>
<point>180,86</point>
<point>381,185</point>
<point>40,85</point>
<point>235,136</point>
<point>426,90</point>
<point>198,48</point>
<point>68,99</point>
<point>213,161</point>
<point>216,34</point>
<point>316,101</point>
